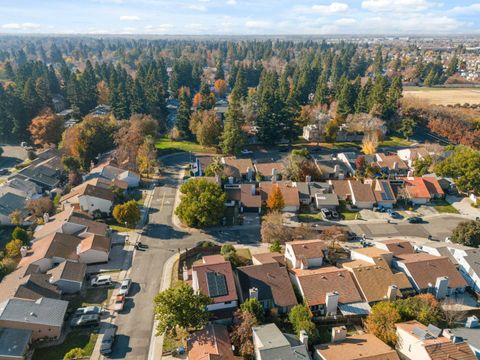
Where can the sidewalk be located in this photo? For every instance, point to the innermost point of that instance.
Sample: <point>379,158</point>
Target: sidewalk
<point>133,237</point>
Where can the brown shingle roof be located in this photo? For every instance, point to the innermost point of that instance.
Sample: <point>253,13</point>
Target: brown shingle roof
<point>68,270</point>
<point>95,242</point>
<point>398,247</point>
<point>241,165</point>
<point>361,192</point>
<point>341,188</point>
<point>433,186</point>
<point>308,249</point>
<point>266,168</point>
<point>371,252</point>
<point>36,286</point>
<point>269,258</point>
<point>89,190</point>
<point>216,264</point>
<point>426,268</point>
<point>356,347</point>
<point>318,282</point>
<point>289,192</point>
<point>210,343</point>
<point>389,161</point>
<point>107,183</point>
<point>247,198</point>
<point>374,280</point>
<point>271,280</point>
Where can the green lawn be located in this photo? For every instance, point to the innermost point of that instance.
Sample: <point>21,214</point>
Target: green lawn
<point>99,296</point>
<point>83,338</point>
<point>443,206</point>
<point>165,145</point>
<point>309,217</point>
<point>244,255</point>
<point>395,141</point>
<point>350,215</point>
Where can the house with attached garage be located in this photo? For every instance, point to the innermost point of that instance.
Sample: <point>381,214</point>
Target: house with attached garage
<point>420,190</point>
<point>68,276</point>
<point>269,170</point>
<point>89,198</point>
<point>469,265</point>
<point>383,192</point>
<point>44,317</point>
<point>245,196</point>
<point>269,284</point>
<point>290,194</point>
<point>109,170</point>
<point>214,278</point>
<point>305,254</point>
<point>212,342</point>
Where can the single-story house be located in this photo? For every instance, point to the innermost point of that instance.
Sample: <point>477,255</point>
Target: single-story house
<point>327,200</point>
<point>270,343</point>
<point>289,191</point>
<point>68,276</point>
<point>383,192</point>
<point>14,343</point>
<point>391,164</point>
<point>212,342</point>
<point>305,254</point>
<point>269,170</point>
<point>395,246</point>
<point>89,198</point>
<point>111,171</point>
<point>420,190</point>
<point>23,188</point>
<point>9,203</point>
<point>44,317</point>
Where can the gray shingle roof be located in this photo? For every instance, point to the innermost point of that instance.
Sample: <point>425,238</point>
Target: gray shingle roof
<point>14,342</point>
<point>11,202</point>
<point>43,311</point>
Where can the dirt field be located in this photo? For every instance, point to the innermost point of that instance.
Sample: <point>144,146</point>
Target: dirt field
<point>444,96</point>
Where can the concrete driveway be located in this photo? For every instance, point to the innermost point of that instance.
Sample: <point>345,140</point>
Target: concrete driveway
<point>463,205</point>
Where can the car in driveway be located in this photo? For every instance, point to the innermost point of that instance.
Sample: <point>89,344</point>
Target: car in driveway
<point>108,340</point>
<point>326,213</point>
<point>125,287</point>
<point>415,220</point>
<point>246,152</point>
<point>88,310</point>
<point>393,214</point>
<point>85,321</point>
<point>119,303</point>
<point>101,280</point>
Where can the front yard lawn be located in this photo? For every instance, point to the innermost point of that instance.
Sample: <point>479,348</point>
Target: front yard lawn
<point>350,215</point>
<point>442,206</point>
<point>395,141</point>
<point>165,146</point>
<point>310,217</point>
<point>84,339</point>
<point>99,296</point>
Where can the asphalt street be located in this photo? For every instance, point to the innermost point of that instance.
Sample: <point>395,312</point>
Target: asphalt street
<point>163,240</point>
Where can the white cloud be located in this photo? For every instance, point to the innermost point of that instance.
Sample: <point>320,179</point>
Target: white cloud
<point>257,24</point>
<point>396,5</point>
<point>20,26</point>
<point>130,18</point>
<point>197,7</point>
<point>158,29</point>
<point>231,2</point>
<point>466,9</point>
<point>345,21</point>
<point>334,7</point>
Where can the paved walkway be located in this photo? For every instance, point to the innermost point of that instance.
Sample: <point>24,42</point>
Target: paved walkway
<point>463,205</point>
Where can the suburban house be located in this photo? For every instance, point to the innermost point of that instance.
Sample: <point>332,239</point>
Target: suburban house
<point>271,343</point>
<point>341,188</point>
<point>395,246</point>
<point>469,333</point>
<point>108,170</point>
<point>290,194</point>
<point>327,201</point>
<point>214,278</point>
<point>108,183</point>
<point>432,274</point>
<point>23,188</point>
<point>212,342</point>
<point>55,248</point>
<point>469,266</point>
<point>416,341</point>
<point>349,159</point>
<point>89,198</point>
<point>361,194</point>
<point>325,290</point>
<point>383,192</point>
<point>44,317</point>
<point>14,343</point>
<point>410,155</point>
<point>201,164</point>
<point>9,203</point>
<point>268,258</point>
<point>68,276</point>
<point>239,169</point>
<point>391,164</point>
<point>245,196</point>
<point>371,255</point>
<point>304,254</point>
<point>441,248</point>
<point>269,284</point>
<point>269,170</point>
<point>331,167</point>
<point>420,190</point>
<point>376,281</point>
<point>354,347</point>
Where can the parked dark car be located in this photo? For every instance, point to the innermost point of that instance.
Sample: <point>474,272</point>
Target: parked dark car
<point>415,220</point>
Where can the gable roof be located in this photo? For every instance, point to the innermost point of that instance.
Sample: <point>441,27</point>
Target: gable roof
<point>374,280</point>
<point>271,280</point>
<point>340,187</point>
<point>44,311</point>
<point>211,342</point>
<point>87,189</point>
<point>391,162</point>
<point>289,192</point>
<point>95,242</point>
<point>36,286</point>
<point>10,202</point>
<point>247,198</point>
<point>239,165</point>
<point>266,169</point>
<point>317,283</point>
<point>433,186</point>
<point>269,258</point>
<point>397,246</point>
<point>107,183</point>
<point>383,191</point>
<point>68,270</point>
<point>214,267</point>
<point>425,268</point>
<point>361,192</point>
<point>307,249</point>
<point>356,347</point>
<point>416,188</point>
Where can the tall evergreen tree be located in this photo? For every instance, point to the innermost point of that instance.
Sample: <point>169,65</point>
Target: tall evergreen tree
<point>233,138</point>
<point>183,114</point>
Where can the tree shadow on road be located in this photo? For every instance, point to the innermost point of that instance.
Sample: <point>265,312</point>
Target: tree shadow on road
<point>164,232</point>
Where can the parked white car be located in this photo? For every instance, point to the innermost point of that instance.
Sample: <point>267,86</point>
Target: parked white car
<point>101,280</point>
<point>125,287</point>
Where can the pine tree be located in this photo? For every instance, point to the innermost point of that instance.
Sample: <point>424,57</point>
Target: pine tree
<point>219,74</point>
<point>9,74</point>
<point>241,83</point>
<point>346,101</point>
<point>233,138</point>
<point>322,92</point>
<point>183,114</point>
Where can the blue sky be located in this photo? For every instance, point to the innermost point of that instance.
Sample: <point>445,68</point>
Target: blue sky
<point>240,16</point>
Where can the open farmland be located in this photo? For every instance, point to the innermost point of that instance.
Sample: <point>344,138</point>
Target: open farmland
<point>444,96</point>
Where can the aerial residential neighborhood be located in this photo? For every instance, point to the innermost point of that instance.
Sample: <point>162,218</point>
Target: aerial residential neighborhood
<point>266,180</point>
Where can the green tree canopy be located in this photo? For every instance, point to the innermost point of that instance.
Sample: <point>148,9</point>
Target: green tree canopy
<point>180,307</point>
<point>467,233</point>
<point>202,203</point>
<point>127,213</point>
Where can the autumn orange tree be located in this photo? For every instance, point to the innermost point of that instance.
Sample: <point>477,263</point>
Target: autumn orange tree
<point>220,87</point>
<point>46,129</point>
<point>381,322</point>
<point>275,201</point>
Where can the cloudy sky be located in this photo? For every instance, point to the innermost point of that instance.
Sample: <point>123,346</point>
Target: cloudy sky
<point>240,16</point>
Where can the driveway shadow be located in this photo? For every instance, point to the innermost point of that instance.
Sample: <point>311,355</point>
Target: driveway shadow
<point>134,289</point>
<point>121,347</point>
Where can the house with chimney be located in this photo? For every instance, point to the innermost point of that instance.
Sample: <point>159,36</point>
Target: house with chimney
<point>420,190</point>
<point>416,341</point>
<point>269,170</point>
<point>328,290</point>
<point>269,283</point>
<point>289,191</point>
<point>354,347</point>
<point>214,277</point>
<point>391,164</point>
<point>89,198</point>
<point>238,169</point>
<point>212,342</point>
<point>270,343</point>
<point>246,197</point>
<point>431,274</point>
